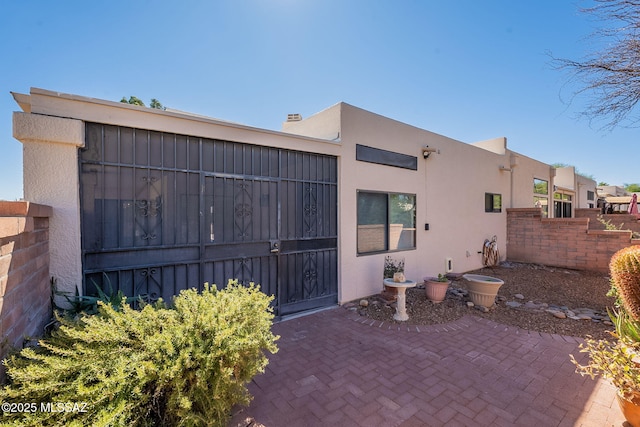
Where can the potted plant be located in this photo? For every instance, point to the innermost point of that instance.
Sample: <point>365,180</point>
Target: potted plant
<point>618,360</point>
<point>391,268</point>
<point>436,287</point>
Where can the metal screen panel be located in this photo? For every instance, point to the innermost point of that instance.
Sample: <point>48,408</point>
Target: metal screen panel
<point>163,212</point>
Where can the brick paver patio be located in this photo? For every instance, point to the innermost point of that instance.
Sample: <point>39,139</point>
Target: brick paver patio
<point>335,368</point>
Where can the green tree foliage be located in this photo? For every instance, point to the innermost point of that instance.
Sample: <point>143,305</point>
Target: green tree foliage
<point>156,104</point>
<point>137,101</point>
<point>181,366</point>
<point>133,100</point>
<point>632,188</point>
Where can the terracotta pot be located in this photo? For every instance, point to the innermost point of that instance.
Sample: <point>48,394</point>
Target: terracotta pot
<point>436,291</point>
<point>389,294</point>
<point>630,409</point>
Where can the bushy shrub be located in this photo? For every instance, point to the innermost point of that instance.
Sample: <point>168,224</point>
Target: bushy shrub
<point>185,366</point>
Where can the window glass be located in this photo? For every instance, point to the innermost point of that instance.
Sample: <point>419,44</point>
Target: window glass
<point>402,225</point>
<point>540,186</point>
<point>541,195</point>
<point>492,202</point>
<point>562,205</point>
<point>372,222</point>
<point>386,222</point>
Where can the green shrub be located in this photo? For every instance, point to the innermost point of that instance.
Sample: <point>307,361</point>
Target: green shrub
<point>186,365</point>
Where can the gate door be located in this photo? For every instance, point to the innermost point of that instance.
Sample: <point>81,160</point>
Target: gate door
<point>163,212</point>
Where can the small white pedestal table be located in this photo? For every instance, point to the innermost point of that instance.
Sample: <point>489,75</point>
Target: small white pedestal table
<point>401,308</point>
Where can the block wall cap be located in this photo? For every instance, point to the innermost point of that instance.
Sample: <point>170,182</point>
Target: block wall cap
<point>23,208</point>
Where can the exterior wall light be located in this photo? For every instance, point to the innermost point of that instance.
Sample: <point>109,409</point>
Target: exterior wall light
<point>426,151</point>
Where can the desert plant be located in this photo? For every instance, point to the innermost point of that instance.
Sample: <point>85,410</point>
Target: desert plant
<point>625,277</point>
<point>616,359</point>
<point>182,365</point>
<point>608,225</point>
<point>88,304</point>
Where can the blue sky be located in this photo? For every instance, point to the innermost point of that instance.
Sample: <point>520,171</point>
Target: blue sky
<point>471,70</point>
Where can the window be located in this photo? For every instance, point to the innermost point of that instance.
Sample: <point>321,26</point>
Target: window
<point>492,202</point>
<point>562,203</point>
<point>591,196</point>
<point>386,222</point>
<point>541,195</point>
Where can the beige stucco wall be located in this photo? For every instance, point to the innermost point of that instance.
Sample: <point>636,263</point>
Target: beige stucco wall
<point>51,178</point>
<point>585,185</point>
<point>325,125</point>
<point>116,113</point>
<point>450,187</point>
<point>567,179</point>
<point>524,172</point>
<point>50,150</point>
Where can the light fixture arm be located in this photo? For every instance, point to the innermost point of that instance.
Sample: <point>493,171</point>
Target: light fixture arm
<point>426,151</point>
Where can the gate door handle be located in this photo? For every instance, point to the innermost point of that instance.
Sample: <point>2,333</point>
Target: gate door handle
<point>275,247</point>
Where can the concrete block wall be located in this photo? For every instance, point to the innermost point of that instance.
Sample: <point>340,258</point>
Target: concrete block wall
<point>561,242</point>
<point>621,221</point>
<point>25,292</point>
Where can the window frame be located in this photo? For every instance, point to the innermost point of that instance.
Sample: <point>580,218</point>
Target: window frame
<point>540,196</point>
<point>387,224</point>
<point>563,204</point>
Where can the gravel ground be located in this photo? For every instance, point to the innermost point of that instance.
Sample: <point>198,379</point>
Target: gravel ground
<point>540,284</point>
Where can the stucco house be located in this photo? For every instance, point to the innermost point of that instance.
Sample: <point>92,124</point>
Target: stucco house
<point>152,201</point>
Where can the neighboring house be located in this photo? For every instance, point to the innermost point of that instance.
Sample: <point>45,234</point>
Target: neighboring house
<point>572,191</point>
<point>151,201</point>
<point>613,199</point>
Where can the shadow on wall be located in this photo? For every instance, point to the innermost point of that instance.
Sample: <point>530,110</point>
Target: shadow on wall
<point>25,292</point>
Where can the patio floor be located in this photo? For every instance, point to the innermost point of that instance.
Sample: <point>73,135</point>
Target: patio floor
<point>335,368</point>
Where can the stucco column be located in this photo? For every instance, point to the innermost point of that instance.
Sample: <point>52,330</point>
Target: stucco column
<point>50,177</point>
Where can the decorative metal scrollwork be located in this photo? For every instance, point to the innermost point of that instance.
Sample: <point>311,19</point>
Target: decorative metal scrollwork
<point>147,208</point>
<point>244,271</point>
<point>243,209</point>
<point>310,209</point>
<point>310,274</point>
<point>150,283</point>
<point>148,272</point>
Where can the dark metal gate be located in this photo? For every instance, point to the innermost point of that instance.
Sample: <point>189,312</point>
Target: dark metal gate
<point>164,212</point>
